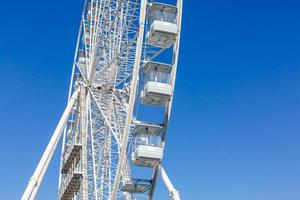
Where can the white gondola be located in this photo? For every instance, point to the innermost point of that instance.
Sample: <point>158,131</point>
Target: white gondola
<point>155,93</point>
<point>136,186</point>
<point>157,89</point>
<point>163,29</point>
<point>142,128</point>
<point>82,62</point>
<point>87,38</point>
<point>147,156</point>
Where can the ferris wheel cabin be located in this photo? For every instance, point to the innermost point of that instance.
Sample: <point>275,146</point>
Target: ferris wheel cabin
<point>142,128</point>
<point>82,62</point>
<point>163,27</point>
<point>157,89</point>
<point>136,185</point>
<point>147,149</point>
<point>147,156</point>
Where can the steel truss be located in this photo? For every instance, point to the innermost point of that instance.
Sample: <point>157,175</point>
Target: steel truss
<point>98,125</point>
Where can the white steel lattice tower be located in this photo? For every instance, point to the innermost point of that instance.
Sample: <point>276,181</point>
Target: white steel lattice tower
<point>124,68</point>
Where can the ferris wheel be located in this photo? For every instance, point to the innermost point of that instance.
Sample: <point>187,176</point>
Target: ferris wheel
<point>121,90</point>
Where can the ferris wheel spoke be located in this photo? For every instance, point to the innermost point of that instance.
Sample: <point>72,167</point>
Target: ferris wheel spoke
<point>105,119</point>
<point>117,56</point>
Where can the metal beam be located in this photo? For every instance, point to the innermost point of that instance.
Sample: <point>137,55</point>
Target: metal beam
<point>174,195</point>
<point>83,132</point>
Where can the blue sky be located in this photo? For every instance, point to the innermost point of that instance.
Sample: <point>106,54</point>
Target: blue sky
<point>234,130</point>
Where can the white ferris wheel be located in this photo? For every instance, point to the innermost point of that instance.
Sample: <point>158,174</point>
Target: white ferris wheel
<point>121,90</point>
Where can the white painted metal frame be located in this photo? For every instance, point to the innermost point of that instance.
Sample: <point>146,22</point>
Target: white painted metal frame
<point>103,100</point>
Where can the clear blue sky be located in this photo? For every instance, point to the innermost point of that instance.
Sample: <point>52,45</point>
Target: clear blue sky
<point>234,131</point>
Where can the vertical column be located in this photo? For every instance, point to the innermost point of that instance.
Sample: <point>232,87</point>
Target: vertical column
<point>83,130</point>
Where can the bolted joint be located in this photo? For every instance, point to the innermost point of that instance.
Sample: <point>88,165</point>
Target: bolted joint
<point>34,181</point>
<point>174,195</point>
